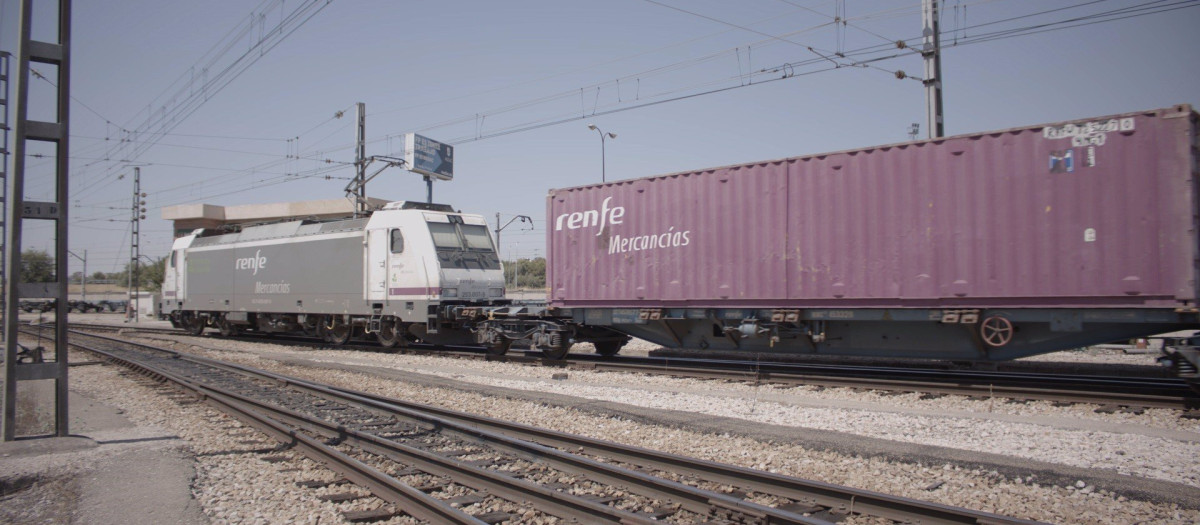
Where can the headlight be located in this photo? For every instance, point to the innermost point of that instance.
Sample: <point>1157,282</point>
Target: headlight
<point>495,292</point>
<point>450,292</point>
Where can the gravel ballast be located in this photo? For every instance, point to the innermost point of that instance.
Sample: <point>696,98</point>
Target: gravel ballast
<point>1154,445</point>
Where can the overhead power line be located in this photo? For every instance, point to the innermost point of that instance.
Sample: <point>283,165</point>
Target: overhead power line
<point>868,55</point>
<point>854,58</point>
<point>215,70</point>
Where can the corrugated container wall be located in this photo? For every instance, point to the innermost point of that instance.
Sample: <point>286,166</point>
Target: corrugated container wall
<point>1093,213</point>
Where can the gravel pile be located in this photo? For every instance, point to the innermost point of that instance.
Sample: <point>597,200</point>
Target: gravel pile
<point>1155,444</point>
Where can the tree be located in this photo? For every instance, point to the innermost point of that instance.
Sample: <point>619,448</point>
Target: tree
<point>37,266</point>
<point>151,275</point>
<point>525,273</point>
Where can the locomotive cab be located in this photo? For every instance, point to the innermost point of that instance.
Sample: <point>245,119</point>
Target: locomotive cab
<point>173,278</point>
<point>423,260</point>
<point>424,252</point>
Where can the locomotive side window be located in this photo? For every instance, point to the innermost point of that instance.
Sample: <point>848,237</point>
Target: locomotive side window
<point>397,244</point>
<point>477,237</point>
<point>173,252</point>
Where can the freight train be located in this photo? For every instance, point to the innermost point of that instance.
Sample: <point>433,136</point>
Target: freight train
<point>986,246</point>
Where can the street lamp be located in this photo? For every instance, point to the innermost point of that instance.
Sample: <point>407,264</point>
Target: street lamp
<point>603,175</point>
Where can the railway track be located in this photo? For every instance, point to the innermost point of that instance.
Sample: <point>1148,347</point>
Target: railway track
<point>1105,390</point>
<point>447,467</point>
<point>1110,391</point>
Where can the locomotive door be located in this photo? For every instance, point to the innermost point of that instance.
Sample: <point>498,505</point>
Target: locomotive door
<point>171,289</point>
<point>377,265</point>
<point>180,260</point>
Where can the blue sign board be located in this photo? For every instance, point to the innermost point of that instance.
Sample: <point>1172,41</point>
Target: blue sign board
<point>429,157</point>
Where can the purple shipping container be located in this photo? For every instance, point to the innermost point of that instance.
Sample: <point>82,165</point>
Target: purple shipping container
<point>1094,213</point>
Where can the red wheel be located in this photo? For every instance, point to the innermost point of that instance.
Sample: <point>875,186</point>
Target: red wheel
<point>996,331</point>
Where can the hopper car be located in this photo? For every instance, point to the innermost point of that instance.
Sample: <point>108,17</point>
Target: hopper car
<point>985,246</point>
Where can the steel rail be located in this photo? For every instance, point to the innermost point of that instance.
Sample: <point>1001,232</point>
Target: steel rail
<point>271,419</point>
<point>824,494</point>
<point>512,489</point>
<point>691,498</point>
<point>951,385</point>
<point>1169,393</point>
<point>412,501</point>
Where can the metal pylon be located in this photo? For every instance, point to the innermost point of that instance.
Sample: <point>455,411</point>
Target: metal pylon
<point>17,209</point>
<point>5,128</point>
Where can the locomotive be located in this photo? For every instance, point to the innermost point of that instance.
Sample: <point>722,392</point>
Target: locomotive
<point>407,272</point>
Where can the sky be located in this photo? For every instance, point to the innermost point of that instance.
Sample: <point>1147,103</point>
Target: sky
<point>232,102</point>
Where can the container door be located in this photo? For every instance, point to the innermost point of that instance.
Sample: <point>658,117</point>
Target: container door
<point>377,265</point>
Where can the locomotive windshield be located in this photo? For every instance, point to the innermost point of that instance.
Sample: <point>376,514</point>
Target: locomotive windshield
<point>477,237</point>
<point>445,236</point>
<point>467,246</point>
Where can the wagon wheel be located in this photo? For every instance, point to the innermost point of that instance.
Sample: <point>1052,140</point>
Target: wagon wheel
<point>996,331</point>
<point>498,347</point>
<point>559,346</point>
<point>492,340</point>
<point>608,348</point>
<point>388,335</point>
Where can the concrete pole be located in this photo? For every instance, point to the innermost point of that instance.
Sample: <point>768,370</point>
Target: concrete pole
<point>360,162</point>
<point>932,53</point>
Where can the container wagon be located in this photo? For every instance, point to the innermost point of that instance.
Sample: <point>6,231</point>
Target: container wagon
<point>986,246</point>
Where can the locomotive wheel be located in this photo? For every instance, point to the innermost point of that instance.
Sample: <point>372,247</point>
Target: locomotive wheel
<point>227,328</point>
<point>311,329</point>
<point>996,331</point>
<point>558,351</point>
<point>388,335</point>
<point>194,324</point>
<point>608,348</point>
<point>339,334</point>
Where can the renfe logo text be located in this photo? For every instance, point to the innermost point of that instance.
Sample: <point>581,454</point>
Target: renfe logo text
<point>248,263</point>
<point>589,218</point>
